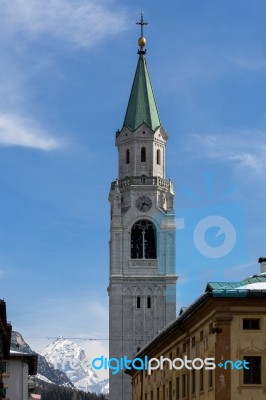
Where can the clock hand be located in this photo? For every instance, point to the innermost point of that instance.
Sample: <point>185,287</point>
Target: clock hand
<point>143,205</point>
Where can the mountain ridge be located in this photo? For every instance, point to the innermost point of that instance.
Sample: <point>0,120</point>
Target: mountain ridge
<point>71,359</point>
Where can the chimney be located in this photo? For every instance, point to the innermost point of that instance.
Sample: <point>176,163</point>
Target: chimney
<point>262,262</point>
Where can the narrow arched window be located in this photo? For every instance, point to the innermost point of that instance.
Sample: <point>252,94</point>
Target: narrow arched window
<point>143,240</point>
<point>127,156</point>
<point>138,301</point>
<point>143,154</point>
<point>149,302</point>
<point>158,157</point>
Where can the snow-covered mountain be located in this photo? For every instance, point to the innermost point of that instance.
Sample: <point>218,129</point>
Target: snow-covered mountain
<point>45,371</point>
<point>71,359</point>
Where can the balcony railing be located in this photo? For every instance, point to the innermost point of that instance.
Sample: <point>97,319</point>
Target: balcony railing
<point>141,180</point>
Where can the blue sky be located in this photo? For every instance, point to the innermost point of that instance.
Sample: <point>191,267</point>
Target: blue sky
<point>65,75</point>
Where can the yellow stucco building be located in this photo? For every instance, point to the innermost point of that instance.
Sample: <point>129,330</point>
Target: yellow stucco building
<point>226,326</point>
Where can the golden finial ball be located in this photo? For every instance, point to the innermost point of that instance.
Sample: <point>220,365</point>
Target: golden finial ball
<point>142,41</point>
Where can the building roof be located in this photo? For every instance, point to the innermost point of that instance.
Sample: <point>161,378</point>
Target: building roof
<point>256,282</point>
<point>142,105</point>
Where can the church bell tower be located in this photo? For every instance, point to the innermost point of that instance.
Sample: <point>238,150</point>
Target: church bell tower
<point>142,286</point>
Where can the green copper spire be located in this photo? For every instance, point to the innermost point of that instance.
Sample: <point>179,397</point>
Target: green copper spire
<point>142,105</point>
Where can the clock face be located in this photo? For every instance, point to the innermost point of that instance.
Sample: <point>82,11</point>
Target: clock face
<point>143,203</point>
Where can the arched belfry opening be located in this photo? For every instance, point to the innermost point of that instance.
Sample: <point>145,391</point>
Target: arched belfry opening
<point>143,240</point>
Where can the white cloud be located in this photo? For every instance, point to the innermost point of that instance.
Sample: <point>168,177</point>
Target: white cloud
<point>246,149</point>
<point>81,23</point>
<point>250,59</point>
<point>206,64</point>
<point>241,272</point>
<point>86,318</point>
<point>72,23</point>
<point>18,131</point>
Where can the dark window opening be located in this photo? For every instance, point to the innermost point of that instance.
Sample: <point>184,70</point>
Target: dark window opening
<point>158,157</point>
<point>127,156</point>
<point>143,240</point>
<point>201,386</point>
<point>184,385</point>
<point>201,335</point>
<point>253,374</point>
<point>252,323</point>
<point>4,368</point>
<point>193,381</point>
<point>177,389</point>
<point>138,301</point>
<point>143,154</point>
<point>193,341</point>
<point>149,302</point>
<point>210,378</point>
<point>138,349</point>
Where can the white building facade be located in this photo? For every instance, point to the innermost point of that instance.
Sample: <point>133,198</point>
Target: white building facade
<point>16,377</point>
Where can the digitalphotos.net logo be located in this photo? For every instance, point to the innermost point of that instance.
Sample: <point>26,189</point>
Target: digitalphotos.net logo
<point>115,365</point>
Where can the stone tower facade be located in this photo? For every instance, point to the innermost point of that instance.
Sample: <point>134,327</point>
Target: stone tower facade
<point>142,287</point>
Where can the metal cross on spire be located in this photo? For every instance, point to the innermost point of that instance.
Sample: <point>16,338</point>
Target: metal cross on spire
<point>141,23</point>
<point>142,40</point>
